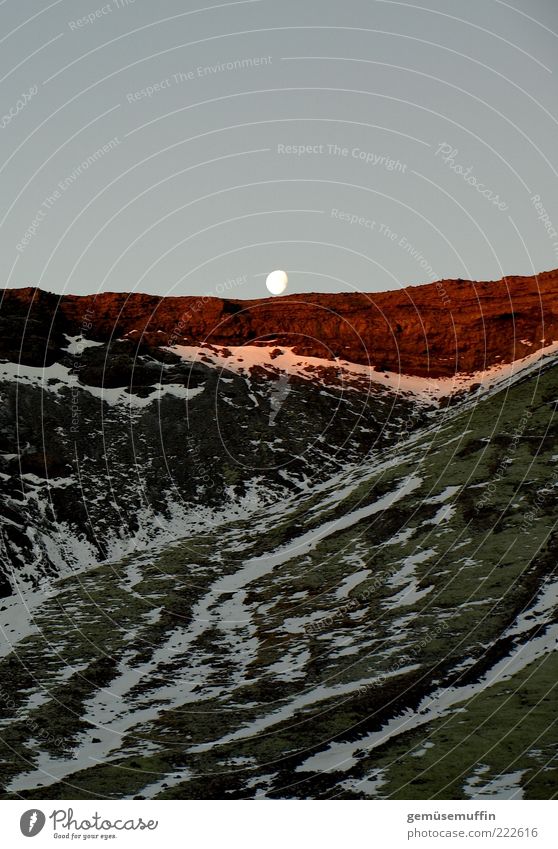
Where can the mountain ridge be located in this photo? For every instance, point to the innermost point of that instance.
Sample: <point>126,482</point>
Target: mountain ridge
<point>433,330</point>
<point>245,572</point>
<point>130,418</point>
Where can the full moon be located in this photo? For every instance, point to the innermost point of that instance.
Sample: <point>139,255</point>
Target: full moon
<point>276,282</point>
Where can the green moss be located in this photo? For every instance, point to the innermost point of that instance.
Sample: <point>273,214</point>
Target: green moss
<point>486,562</point>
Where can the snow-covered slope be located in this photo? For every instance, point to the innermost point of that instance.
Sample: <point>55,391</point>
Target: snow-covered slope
<point>97,461</point>
<point>338,372</point>
<point>106,451</point>
<point>345,641</point>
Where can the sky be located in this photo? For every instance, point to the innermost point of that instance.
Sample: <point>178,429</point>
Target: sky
<point>189,148</point>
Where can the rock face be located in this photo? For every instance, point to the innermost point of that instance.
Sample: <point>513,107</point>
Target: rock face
<point>435,330</point>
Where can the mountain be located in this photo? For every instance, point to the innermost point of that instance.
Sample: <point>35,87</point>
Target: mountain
<point>128,419</point>
<point>320,580</point>
<point>434,330</point>
<point>106,450</point>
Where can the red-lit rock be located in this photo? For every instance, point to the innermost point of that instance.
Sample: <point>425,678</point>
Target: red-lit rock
<point>432,330</point>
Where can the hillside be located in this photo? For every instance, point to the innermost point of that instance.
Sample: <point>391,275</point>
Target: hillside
<point>389,633</point>
<point>434,330</point>
<point>128,420</point>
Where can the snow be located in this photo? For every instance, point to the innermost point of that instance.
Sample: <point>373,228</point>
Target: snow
<point>74,555</point>
<point>300,624</point>
<point>113,712</point>
<point>292,666</point>
<point>426,390</point>
<point>351,582</point>
<point>434,706</point>
<point>405,577</point>
<point>444,514</point>
<point>226,608</point>
<point>16,618</point>
<point>316,694</point>
<point>167,781</point>
<point>57,377</point>
<point>77,344</point>
<point>260,566</point>
<point>400,537</point>
<point>42,694</point>
<point>368,786</point>
<point>448,492</point>
<point>544,605</point>
<point>503,786</point>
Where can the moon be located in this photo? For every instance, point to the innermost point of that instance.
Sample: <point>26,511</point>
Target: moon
<point>277,281</point>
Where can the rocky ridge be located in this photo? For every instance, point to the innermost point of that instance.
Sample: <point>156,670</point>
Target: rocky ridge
<point>434,330</point>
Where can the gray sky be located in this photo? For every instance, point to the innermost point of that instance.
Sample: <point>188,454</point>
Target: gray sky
<point>170,147</point>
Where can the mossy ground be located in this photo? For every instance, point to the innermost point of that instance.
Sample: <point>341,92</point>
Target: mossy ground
<point>287,686</point>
